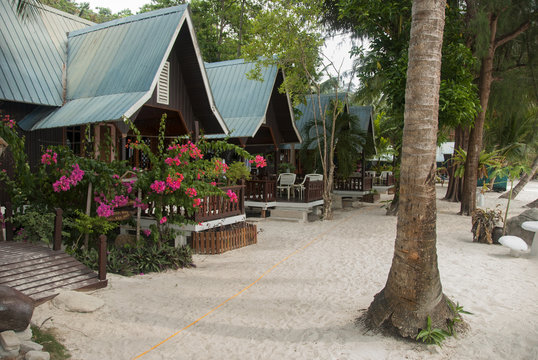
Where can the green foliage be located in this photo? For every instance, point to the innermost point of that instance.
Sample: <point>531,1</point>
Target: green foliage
<point>34,225</point>
<point>486,161</point>
<point>457,310</point>
<point>47,338</point>
<point>286,167</point>
<point>142,259</point>
<point>431,336</point>
<point>90,225</point>
<point>349,141</point>
<point>237,171</point>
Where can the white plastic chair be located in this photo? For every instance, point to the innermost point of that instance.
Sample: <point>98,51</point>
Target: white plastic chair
<point>300,187</point>
<point>285,181</point>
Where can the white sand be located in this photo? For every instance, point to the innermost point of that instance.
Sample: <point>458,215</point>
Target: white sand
<point>306,307</point>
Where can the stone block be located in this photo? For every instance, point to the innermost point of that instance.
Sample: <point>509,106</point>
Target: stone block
<point>9,340</point>
<point>77,302</point>
<point>4,354</point>
<point>30,346</point>
<point>37,355</point>
<point>25,335</point>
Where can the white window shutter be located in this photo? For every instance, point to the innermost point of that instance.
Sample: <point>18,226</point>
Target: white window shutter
<point>163,85</point>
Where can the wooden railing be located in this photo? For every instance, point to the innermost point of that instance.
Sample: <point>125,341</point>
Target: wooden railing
<point>260,190</point>
<point>313,191</point>
<point>215,207</point>
<point>212,207</point>
<point>387,181</point>
<point>353,183</point>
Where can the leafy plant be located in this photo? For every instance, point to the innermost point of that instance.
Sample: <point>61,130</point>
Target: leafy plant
<point>457,310</point>
<point>432,336</point>
<point>91,225</point>
<point>483,222</point>
<point>237,171</point>
<point>34,226</point>
<point>286,167</point>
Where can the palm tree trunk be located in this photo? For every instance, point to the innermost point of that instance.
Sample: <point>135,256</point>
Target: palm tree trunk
<point>523,181</point>
<point>413,290</point>
<point>455,184</point>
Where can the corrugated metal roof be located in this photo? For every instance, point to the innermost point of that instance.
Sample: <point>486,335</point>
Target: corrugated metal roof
<point>364,113</point>
<point>32,53</point>
<point>121,56</point>
<point>242,102</point>
<point>112,68</point>
<point>96,109</point>
<point>311,110</point>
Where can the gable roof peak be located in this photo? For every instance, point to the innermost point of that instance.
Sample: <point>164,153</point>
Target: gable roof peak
<point>130,19</point>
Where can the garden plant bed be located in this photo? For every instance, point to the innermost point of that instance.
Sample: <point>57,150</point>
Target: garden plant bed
<point>217,241</point>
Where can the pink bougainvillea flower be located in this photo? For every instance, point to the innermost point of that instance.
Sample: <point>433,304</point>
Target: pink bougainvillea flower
<point>191,192</point>
<point>213,183</point>
<point>232,196</point>
<point>196,202</point>
<point>104,210</point>
<point>158,186</point>
<point>260,161</point>
<point>163,220</point>
<point>147,232</point>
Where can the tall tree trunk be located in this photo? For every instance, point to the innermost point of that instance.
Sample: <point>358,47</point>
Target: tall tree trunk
<point>455,184</point>
<point>240,35</point>
<point>523,181</point>
<point>413,290</point>
<point>468,202</point>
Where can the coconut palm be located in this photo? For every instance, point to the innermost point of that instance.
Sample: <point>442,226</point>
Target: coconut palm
<point>413,293</point>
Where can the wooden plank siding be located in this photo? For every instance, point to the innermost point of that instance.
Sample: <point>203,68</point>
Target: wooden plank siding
<point>40,272</point>
<point>213,242</point>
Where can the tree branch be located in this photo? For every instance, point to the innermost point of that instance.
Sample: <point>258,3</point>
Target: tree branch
<point>506,38</point>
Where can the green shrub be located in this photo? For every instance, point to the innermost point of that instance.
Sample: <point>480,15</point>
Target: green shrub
<point>34,226</point>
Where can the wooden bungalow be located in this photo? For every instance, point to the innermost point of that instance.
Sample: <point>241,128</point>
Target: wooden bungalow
<point>137,67</point>
<point>358,183</point>
<point>261,119</point>
<point>61,76</point>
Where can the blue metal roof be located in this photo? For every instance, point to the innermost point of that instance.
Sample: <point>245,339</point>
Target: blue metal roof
<point>311,110</point>
<point>242,102</point>
<point>32,53</point>
<point>365,115</point>
<point>121,56</point>
<point>112,69</point>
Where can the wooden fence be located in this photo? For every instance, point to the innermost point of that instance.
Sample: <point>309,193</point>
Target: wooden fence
<point>223,239</point>
<point>260,190</point>
<point>353,183</point>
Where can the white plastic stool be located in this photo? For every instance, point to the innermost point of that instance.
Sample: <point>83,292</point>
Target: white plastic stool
<point>516,244</point>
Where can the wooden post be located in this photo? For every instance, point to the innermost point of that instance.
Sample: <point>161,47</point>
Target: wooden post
<point>138,216</point>
<point>88,212</point>
<point>9,224</point>
<point>57,245</point>
<point>242,196</point>
<point>102,257</point>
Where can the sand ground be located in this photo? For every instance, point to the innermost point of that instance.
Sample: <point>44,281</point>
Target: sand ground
<point>306,306</point>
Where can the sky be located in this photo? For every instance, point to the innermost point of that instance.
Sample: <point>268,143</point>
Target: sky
<point>336,49</point>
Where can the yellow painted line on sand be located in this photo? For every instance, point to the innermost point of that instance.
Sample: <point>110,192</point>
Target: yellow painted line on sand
<point>317,238</point>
